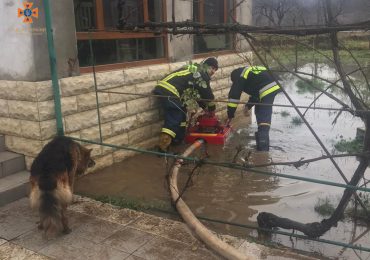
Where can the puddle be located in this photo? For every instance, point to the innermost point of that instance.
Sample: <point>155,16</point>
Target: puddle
<point>234,196</point>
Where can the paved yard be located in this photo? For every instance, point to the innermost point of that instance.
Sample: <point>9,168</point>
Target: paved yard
<point>101,231</point>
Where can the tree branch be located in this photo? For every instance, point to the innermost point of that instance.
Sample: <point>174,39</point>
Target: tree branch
<point>190,27</point>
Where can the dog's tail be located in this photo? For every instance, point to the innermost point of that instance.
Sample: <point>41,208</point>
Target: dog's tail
<point>50,195</point>
<point>50,214</point>
<point>50,206</point>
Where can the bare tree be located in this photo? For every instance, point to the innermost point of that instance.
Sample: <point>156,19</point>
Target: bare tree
<point>276,11</point>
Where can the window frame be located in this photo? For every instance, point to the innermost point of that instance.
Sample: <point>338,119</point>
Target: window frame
<point>101,34</point>
<point>201,20</point>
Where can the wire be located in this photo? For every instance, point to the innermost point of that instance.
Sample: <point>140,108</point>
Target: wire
<point>227,165</point>
<point>356,112</point>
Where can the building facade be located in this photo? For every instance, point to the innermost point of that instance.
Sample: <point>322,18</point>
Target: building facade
<point>85,34</point>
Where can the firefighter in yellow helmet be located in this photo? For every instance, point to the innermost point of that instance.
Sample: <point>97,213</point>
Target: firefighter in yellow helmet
<point>262,88</point>
<point>173,86</point>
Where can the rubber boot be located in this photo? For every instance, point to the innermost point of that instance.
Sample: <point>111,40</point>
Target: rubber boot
<point>257,143</point>
<point>164,142</point>
<point>262,138</point>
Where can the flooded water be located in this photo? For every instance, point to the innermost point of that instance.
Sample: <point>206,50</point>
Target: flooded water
<point>237,197</point>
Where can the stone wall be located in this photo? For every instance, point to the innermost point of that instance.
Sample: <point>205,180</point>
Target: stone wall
<point>27,117</point>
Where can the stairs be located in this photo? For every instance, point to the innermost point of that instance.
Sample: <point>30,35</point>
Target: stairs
<point>14,178</point>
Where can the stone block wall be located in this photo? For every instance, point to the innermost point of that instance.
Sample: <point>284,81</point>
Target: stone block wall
<point>27,117</point>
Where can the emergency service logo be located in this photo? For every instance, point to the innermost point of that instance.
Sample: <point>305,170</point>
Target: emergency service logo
<point>28,12</point>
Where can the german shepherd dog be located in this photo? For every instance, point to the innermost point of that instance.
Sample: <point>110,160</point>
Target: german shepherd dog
<point>52,178</point>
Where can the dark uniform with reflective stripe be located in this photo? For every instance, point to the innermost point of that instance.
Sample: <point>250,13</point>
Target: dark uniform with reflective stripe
<point>262,88</point>
<point>174,85</point>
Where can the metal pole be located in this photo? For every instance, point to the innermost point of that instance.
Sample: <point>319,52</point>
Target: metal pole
<point>92,56</point>
<point>53,68</point>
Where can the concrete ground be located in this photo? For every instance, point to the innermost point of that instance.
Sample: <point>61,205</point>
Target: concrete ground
<point>101,231</point>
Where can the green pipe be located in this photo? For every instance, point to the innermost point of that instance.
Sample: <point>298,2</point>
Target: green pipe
<point>53,68</point>
<point>95,85</point>
<point>225,165</point>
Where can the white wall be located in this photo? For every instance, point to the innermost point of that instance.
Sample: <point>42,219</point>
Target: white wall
<point>65,42</point>
<point>16,47</point>
<point>180,47</point>
<point>243,16</point>
<point>24,48</point>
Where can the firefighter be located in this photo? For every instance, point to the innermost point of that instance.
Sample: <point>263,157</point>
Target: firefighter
<point>262,88</point>
<point>194,77</point>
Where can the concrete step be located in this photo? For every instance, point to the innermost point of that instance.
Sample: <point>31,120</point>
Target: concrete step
<point>11,163</point>
<point>14,187</point>
<point>2,143</point>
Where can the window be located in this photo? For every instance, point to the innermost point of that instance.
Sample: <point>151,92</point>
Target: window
<point>213,12</point>
<point>97,20</point>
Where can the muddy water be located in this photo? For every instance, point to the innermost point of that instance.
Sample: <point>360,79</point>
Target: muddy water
<point>236,196</point>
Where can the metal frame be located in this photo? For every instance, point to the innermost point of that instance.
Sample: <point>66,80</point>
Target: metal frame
<point>60,131</point>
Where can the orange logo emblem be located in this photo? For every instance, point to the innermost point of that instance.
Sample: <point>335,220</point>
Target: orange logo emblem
<point>28,12</point>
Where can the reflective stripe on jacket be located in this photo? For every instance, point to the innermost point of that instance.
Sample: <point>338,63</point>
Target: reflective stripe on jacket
<point>188,77</point>
<point>254,69</point>
<point>253,80</point>
<point>269,88</point>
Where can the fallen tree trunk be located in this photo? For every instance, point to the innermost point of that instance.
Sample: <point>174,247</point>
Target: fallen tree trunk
<point>315,229</point>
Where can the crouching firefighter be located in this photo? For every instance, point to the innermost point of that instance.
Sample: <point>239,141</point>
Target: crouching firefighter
<point>261,87</point>
<point>172,87</point>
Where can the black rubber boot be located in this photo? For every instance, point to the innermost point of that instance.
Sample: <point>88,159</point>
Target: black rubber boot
<point>256,136</point>
<point>262,138</point>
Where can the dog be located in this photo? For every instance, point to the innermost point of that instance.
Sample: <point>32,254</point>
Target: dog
<point>52,179</point>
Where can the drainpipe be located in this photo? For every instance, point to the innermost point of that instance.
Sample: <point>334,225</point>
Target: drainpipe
<point>53,68</point>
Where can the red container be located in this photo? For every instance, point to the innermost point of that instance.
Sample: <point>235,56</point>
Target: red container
<point>208,121</point>
<point>218,138</point>
<point>209,129</point>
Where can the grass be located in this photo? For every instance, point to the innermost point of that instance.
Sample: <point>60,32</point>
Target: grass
<point>284,113</point>
<point>287,56</point>
<point>324,207</point>
<point>296,121</point>
<point>358,211</point>
<point>134,204</point>
<point>285,48</point>
<point>349,146</point>
<point>309,86</point>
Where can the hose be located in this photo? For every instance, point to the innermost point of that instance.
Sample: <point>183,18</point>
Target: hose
<point>209,238</point>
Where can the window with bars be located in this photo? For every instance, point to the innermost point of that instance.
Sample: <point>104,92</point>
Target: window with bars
<point>97,20</point>
<point>213,12</point>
